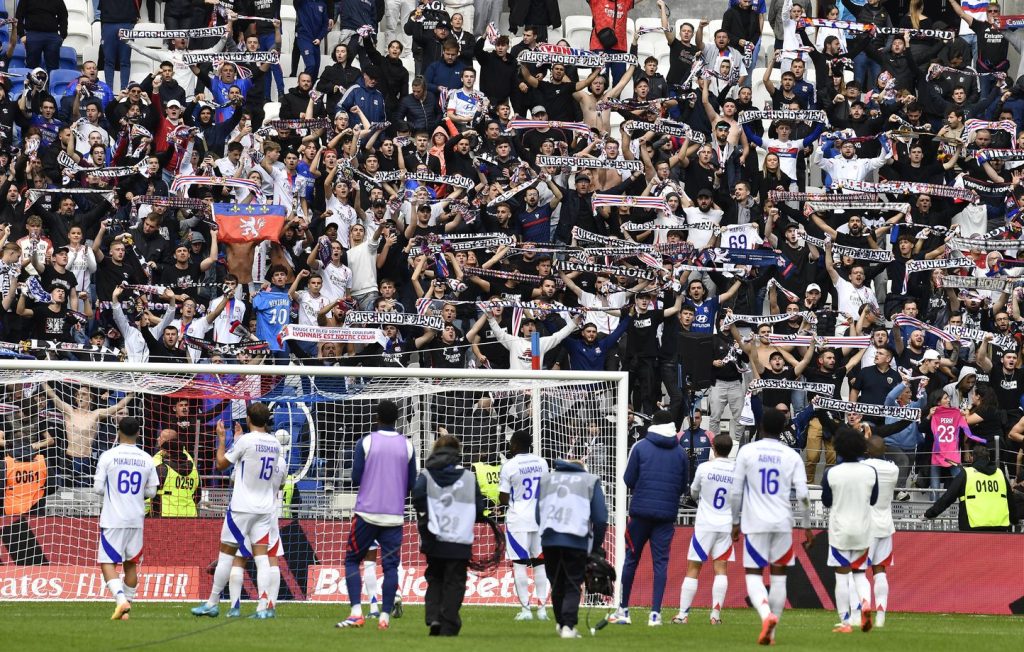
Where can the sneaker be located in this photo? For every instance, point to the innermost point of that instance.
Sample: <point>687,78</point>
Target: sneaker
<point>398,610</point>
<point>374,614</point>
<point>569,632</point>
<point>524,614</point>
<point>234,612</point>
<point>842,628</point>
<point>716,621</point>
<point>206,610</point>
<point>902,496</point>
<point>384,622</point>
<point>620,617</point>
<point>352,621</point>
<point>263,615</point>
<point>121,611</point>
<point>654,620</point>
<point>768,630</point>
<point>680,619</point>
<point>542,614</point>
<point>435,628</point>
<point>880,618</point>
<point>865,621</point>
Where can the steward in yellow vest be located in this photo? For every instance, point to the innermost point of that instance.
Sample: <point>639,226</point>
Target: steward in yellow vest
<point>986,503</point>
<point>178,495</point>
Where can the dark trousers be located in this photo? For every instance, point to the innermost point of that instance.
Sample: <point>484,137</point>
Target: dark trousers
<point>389,540</point>
<point>672,378</point>
<point>446,586</point>
<point>644,386</point>
<point>565,568</point>
<point>40,46</point>
<point>638,532</point>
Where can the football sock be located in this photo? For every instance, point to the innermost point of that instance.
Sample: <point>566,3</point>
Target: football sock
<point>370,580</point>
<point>541,586</point>
<point>235,580</point>
<point>843,598</point>
<point>262,580</point>
<point>758,595</point>
<point>522,580</point>
<point>275,584</point>
<point>220,577</point>
<point>777,596</point>
<point>718,590</point>
<point>881,596</point>
<point>687,593</point>
<point>116,587</point>
<point>862,591</point>
<point>129,591</point>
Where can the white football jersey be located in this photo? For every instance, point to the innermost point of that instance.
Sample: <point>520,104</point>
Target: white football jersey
<point>255,456</point>
<point>125,477</point>
<point>849,488</point>
<point>881,511</point>
<point>770,474</point>
<point>520,479</point>
<point>713,485</point>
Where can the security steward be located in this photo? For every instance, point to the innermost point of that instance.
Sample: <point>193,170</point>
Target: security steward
<point>178,495</point>
<point>986,504</point>
<point>24,483</point>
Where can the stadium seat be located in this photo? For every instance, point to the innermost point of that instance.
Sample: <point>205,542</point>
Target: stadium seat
<point>287,32</point>
<point>141,67</point>
<point>82,8</point>
<point>577,30</point>
<point>59,80</point>
<point>272,111</point>
<point>760,95</point>
<point>18,57</point>
<point>80,34</point>
<point>68,58</point>
<point>18,81</point>
<point>149,42</point>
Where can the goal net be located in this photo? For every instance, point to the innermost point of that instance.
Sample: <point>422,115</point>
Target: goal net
<point>57,417</point>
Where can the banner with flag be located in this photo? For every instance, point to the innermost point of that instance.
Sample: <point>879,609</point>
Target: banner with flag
<point>237,223</point>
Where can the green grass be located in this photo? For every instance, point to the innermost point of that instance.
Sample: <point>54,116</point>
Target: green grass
<point>169,626</point>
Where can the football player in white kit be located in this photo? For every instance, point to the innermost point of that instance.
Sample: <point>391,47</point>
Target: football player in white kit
<point>849,489</point>
<point>253,507</point>
<point>518,482</point>
<point>125,477</point>
<point>768,473</point>
<point>882,527</point>
<point>712,487</point>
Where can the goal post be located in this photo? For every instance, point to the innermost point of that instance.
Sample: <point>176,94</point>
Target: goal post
<point>58,416</point>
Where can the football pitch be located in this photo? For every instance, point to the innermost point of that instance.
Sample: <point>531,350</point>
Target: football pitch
<point>169,626</point>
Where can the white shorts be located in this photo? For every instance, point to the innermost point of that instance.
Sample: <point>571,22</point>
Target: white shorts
<point>880,551</point>
<point>241,529</point>
<point>120,544</point>
<point>522,546</point>
<point>840,558</point>
<point>713,546</point>
<point>275,548</point>
<point>761,549</point>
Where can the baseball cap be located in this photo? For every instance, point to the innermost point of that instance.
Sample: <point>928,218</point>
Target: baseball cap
<point>443,24</point>
<point>704,192</point>
<point>197,237</point>
<point>932,354</point>
<point>132,85</point>
<point>538,109</point>
<point>62,250</point>
<point>813,286</point>
<point>173,104</point>
<point>791,225</point>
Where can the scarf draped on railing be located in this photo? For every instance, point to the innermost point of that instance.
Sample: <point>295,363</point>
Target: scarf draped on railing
<point>586,162</point>
<point>897,412</point>
<point>167,34</point>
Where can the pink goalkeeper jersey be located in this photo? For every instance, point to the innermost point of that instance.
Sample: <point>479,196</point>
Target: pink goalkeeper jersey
<point>947,424</point>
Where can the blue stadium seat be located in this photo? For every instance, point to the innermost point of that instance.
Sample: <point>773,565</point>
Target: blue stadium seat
<point>59,80</point>
<point>18,83</point>
<point>18,57</point>
<point>68,58</point>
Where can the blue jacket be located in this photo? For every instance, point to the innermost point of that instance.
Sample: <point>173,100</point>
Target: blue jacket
<point>657,474</point>
<point>908,438</point>
<point>353,14</point>
<point>591,357</point>
<point>440,73</point>
<point>598,518</point>
<point>369,100</point>
<point>311,19</point>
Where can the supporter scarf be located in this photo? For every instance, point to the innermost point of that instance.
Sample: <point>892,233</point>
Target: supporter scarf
<point>187,203</point>
<point>393,318</point>
<point>874,255</point>
<point>492,33</point>
<point>511,192</point>
<point>532,306</point>
<point>166,34</point>
<point>607,57</point>
<point>907,320</point>
<point>869,409</point>
<point>70,168</point>
<point>54,347</point>
<point>735,256</point>
<point>497,273</point>
<point>34,290</point>
<point>666,128</point>
<point>994,284</point>
<point>330,334</point>
<point>32,195</point>
<point>835,200</point>
<point>455,180</point>
<point>314,124</point>
<point>984,244</point>
<point>909,188</point>
<point>587,60</point>
<point>682,225</point>
<point>839,341</point>
<point>916,33</point>
<point>766,319</point>
<point>847,25</point>
<point>193,58</point>
<point>973,125</point>
<point>258,19</point>
<point>846,137</point>
<point>934,70</point>
<point>580,127</point>
<point>128,306</point>
<point>973,335</point>
<point>600,200</point>
<point>1009,22</point>
<point>985,155</point>
<point>200,344</point>
<point>591,268</point>
<point>914,266</point>
<point>795,385</point>
<point>586,162</point>
<point>895,207</point>
<point>652,30</point>
<point>616,104</point>
<point>807,116</point>
<point>986,189</point>
<point>730,79</point>
<point>790,296</point>
<point>182,183</point>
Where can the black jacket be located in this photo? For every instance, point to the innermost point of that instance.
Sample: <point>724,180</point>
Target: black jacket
<point>119,11</point>
<point>337,74</point>
<point>444,466</point>
<point>420,115</point>
<point>956,491</point>
<point>42,16</point>
<point>394,80</point>
<point>498,77</point>
<point>519,14</point>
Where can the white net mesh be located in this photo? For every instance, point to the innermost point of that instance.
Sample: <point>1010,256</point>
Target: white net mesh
<point>56,423</point>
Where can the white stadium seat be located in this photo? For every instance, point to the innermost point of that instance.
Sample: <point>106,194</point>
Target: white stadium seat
<point>149,42</point>
<point>79,34</point>
<point>79,8</point>
<point>141,67</point>
<point>272,111</point>
<point>578,29</point>
<point>287,32</point>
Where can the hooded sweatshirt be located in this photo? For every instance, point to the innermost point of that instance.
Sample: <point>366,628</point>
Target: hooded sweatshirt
<point>657,474</point>
<point>445,466</point>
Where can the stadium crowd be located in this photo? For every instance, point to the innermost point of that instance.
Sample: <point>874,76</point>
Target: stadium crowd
<point>436,159</point>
